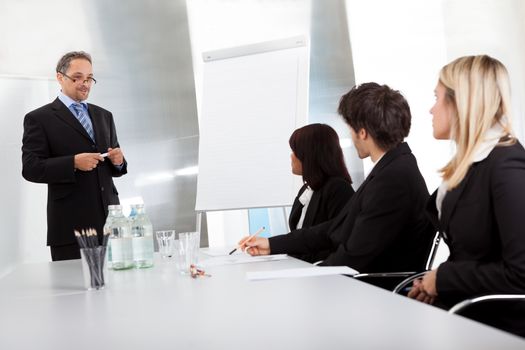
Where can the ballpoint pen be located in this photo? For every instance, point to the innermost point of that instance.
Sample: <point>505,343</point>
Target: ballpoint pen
<point>247,239</point>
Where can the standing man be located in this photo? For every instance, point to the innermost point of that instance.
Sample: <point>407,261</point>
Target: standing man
<point>72,146</point>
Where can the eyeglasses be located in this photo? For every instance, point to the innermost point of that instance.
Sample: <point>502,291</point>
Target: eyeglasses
<point>88,81</point>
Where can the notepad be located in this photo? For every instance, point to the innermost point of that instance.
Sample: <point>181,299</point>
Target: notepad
<point>241,259</point>
<point>300,272</point>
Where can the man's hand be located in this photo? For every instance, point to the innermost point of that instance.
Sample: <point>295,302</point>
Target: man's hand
<point>116,156</point>
<point>87,161</point>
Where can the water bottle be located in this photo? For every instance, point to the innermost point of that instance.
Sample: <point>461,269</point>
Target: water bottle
<point>120,254</point>
<point>142,237</point>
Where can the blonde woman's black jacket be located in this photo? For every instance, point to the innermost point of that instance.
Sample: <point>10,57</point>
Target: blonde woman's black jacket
<point>483,223</point>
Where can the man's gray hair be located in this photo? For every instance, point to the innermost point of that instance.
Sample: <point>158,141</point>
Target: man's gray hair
<point>65,61</point>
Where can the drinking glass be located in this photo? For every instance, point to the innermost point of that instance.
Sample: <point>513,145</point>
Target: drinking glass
<point>166,241</point>
<point>187,251</point>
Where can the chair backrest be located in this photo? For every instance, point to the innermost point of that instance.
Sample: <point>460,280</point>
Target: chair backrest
<point>404,286</point>
<point>433,251</point>
<point>438,253</point>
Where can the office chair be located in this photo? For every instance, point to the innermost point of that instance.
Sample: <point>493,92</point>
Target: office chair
<point>462,306</point>
<point>481,308</point>
<point>390,280</point>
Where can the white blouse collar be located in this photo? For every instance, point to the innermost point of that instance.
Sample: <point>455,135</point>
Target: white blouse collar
<point>306,196</point>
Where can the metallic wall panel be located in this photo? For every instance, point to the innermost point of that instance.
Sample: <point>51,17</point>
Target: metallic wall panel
<point>144,57</point>
<point>332,73</point>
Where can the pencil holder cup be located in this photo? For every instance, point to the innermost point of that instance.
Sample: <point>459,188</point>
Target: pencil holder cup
<point>93,267</point>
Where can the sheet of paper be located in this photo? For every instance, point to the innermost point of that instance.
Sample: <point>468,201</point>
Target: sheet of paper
<point>300,272</point>
<point>218,251</point>
<point>240,259</point>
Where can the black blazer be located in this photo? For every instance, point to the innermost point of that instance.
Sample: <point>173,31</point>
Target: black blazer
<point>483,222</point>
<point>76,199</point>
<point>382,228</point>
<point>326,203</point>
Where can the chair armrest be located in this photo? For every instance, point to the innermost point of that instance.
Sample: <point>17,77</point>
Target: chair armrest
<point>406,282</point>
<point>385,280</point>
<point>461,306</point>
<point>383,274</point>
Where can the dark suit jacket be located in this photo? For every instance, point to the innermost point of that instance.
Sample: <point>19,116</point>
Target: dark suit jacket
<point>326,203</point>
<point>76,199</point>
<point>483,222</point>
<point>382,228</point>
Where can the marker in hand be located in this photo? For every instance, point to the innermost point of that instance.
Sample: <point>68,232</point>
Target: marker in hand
<point>247,239</point>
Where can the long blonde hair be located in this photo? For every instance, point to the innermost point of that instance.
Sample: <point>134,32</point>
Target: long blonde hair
<point>478,89</point>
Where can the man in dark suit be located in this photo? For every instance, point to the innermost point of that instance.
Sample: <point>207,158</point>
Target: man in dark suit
<point>72,146</point>
<point>383,227</point>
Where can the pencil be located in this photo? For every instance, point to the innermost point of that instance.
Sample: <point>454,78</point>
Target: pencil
<point>247,239</point>
<point>80,239</point>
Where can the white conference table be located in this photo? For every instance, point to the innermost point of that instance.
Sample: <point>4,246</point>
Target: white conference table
<point>44,306</point>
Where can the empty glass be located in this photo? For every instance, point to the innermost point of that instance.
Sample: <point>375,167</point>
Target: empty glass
<point>166,241</point>
<point>187,251</point>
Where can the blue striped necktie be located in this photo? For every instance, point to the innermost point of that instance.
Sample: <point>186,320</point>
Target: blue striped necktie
<point>84,119</point>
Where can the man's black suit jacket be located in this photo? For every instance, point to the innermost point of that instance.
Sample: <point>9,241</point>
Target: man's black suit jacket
<point>76,199</point>
<point>382,228</point>
<point>482,222</point>
<point>326,203</point>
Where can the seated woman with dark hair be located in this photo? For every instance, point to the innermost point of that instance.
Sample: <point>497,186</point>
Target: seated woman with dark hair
<point>318,158</point>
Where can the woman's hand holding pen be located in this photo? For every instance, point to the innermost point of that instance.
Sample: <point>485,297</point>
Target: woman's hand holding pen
<point>255,246</point>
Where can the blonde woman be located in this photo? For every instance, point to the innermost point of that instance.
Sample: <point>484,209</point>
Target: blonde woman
<point>480,206</point>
